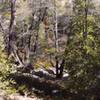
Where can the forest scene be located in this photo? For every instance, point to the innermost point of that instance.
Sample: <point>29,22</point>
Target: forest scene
<point>49,49</point>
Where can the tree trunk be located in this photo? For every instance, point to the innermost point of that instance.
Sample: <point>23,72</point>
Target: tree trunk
<point>85,19</point>
<point>9,47</point>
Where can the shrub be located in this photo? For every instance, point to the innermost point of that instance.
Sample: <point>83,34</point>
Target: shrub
<point>83,65</point>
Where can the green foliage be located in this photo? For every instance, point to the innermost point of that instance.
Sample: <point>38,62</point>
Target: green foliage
<point>5,69</point>
<point>4,5</point>
<point>83,63</point>
<point>83,55</point>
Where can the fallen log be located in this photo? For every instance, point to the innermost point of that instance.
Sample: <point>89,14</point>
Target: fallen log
<point>48,86</point>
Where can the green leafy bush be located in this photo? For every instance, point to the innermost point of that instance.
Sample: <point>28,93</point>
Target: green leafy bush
<point>83,65</point>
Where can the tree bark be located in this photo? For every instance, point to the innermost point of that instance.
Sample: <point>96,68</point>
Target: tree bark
<point>9,48</point>
<point>85,19</point>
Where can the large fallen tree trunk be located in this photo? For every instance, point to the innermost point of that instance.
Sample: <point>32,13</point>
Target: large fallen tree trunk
<point>46,85</point>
